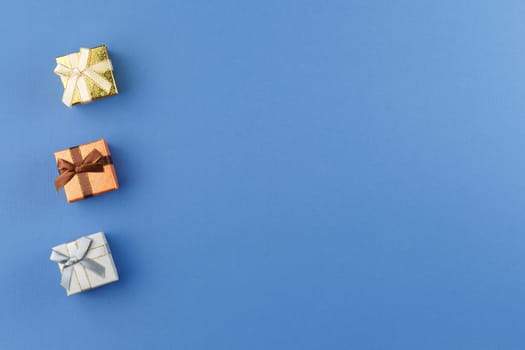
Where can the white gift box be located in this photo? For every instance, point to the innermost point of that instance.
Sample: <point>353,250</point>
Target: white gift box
<point>82,277</point>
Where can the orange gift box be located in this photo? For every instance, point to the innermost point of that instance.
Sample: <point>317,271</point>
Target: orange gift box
<point>85,171</point>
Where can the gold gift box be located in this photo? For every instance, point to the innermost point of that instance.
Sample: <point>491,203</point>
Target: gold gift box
<point>96,55</point>
<point>89,184</point>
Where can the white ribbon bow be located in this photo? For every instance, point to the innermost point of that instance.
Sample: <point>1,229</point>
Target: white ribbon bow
<point>78,256</point>
<point>76,76</point>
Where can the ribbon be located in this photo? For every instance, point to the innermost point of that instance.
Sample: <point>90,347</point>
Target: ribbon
<point>78,256</point>
<point>93,163</point>
<point>77,73</point>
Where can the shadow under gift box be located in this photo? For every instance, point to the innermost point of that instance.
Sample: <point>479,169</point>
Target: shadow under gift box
<point>88,184</point>
<point>82,278</point>
<point>96,55</point>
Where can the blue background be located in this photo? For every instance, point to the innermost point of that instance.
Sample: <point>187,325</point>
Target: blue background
<point>294,175</point>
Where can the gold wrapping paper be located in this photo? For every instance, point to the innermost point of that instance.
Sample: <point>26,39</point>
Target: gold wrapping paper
<point>96,54</point>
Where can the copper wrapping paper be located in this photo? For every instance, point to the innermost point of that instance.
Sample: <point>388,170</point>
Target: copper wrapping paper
<point>88,184</point>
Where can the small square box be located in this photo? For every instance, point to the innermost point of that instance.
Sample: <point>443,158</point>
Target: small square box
<point>85,263</point>
<point>85,171</point>
<point>86,75</point>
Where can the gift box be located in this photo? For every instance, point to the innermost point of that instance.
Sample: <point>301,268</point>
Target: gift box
<point>86,75</point>
<point>85,263</point>
<point>85,171</point>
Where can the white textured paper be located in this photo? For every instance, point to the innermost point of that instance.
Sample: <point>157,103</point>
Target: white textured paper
<point>82,278</point>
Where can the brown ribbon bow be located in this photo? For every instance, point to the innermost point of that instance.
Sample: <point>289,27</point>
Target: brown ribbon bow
<point>92,163</point>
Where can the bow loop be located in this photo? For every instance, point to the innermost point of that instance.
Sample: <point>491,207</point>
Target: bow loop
<point>58,257</point>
